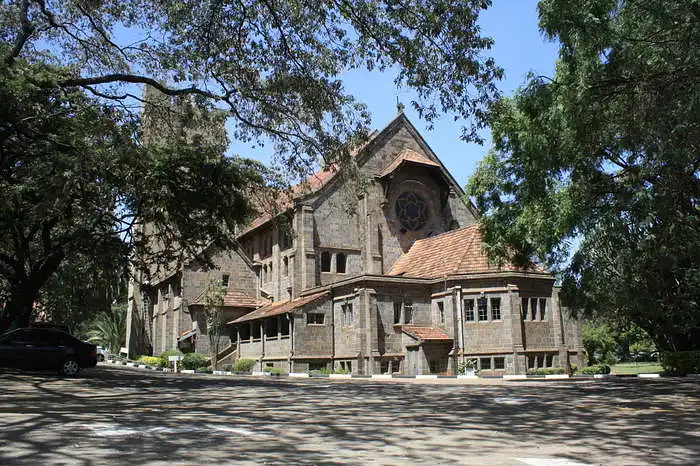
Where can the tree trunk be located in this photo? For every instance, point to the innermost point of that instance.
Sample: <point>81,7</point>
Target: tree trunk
<point>18,310</point>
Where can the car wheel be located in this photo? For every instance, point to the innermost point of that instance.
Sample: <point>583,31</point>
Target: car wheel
<point>100,357</point>
<point>70,368</point>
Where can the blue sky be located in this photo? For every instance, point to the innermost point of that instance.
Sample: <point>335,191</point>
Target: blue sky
<point>519,49</point>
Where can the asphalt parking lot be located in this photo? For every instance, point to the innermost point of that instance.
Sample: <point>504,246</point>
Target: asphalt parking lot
<point>117,416</point>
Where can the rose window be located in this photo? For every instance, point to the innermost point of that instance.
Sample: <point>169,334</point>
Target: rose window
<point>412,211</point>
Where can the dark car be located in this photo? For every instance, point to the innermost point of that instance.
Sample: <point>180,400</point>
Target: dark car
<point>45,348</point>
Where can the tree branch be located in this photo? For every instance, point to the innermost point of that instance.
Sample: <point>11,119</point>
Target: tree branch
<point>137,79</point>
<point>25,34</point>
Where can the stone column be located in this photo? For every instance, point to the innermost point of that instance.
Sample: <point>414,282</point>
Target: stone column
<point>519,360</point>
<point>305,267</point>
<point>368,325</point>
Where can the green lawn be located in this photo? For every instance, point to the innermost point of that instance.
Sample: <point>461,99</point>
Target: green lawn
<point>626,368</point>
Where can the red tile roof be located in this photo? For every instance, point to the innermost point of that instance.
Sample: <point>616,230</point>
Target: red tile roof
<point>234,298</point>
<point>425,333</point>
<point>456,252</point>
<point>408,156</point>
<point>280,307</point>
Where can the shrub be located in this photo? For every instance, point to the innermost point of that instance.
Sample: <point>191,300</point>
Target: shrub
<point>244,365</point>
<point>547,371</point>
<point>193,361</point>
<point>204,369</point>
<point>574,368</point>
<point>152,361</point>
<point>272,370</point>
<point>166,354</point>
<point>470,365</point>
<point>227,367</point>
<point>681,362</point>
<point>596,369</point>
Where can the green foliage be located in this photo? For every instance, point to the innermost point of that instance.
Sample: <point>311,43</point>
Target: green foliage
<point>273,370</point>
<point>596,369</point>
<point>547,371</point>
<point>82,288</point>
<point>109,329</point>
<point>227,367</point>
<point>681,362</point>
<point>213,308</point>
<point>153,361</point>
<point>78,167</point>
<point>193,361</point>
<point>606,342</point>
<point>74,176</point>
<point>276,74</point>
<point>574,368</point>
<point>599,341</point>
<point>467,366</point>
<point>164,357</point>
<point>244,365</point>
<point>327,371</point>
<point>602,161</point>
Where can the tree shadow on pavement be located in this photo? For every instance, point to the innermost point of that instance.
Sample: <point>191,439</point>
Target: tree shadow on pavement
<point>123,416</point>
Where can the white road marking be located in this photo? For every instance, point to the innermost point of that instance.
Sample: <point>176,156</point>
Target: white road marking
<point>116,430</point>
<point>552,462</point>
<point>509,400</point>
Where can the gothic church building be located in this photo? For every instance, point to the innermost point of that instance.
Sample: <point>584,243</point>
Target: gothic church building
<point>400,286</point>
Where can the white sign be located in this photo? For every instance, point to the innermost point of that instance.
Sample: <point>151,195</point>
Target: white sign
<point>174,358</point>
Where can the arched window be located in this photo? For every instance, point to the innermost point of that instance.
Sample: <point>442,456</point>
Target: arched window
<point>340,261</point>
<point>285,266</point>
<point>264,275</point>
<point>325,261</point>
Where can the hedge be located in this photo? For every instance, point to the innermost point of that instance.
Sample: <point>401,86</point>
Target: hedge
<point>547,371</point>
<point>152,361</point>
<point>596,369</point>
<point>681,362</point>
<point>244,365</point>
<point>194,361</point>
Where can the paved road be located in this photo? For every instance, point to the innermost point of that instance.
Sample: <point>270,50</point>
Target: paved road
<point>124,416</point>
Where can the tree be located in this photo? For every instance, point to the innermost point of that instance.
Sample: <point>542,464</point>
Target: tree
<point>274,67</point>
<point>108,328</point>
<point>74,179</point>
<point>605,156</point>
<point>213,315</point>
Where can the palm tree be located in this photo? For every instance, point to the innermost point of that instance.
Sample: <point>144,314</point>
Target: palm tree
<point>108,329</point>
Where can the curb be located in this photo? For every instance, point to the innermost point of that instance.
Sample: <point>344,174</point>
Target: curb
<point>506,377</point>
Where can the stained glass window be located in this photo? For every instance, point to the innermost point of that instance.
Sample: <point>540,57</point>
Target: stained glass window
<point>412,211</point>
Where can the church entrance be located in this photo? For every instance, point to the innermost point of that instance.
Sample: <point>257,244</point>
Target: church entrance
<point>438,357</point>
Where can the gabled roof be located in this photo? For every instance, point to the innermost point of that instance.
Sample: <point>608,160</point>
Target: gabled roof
<point>457,252</point>
<point>233,298</point>
<point>324,177</point>
<point>408,156</point>
<point>425,333</point>
<point>280,307</point>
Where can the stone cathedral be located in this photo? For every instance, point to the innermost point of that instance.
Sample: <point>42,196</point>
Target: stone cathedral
<point>401,285</point>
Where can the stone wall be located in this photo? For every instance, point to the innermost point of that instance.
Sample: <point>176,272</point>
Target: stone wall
<point>313,339</point>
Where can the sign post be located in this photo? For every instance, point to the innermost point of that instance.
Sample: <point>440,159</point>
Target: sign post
<point>174,360</point>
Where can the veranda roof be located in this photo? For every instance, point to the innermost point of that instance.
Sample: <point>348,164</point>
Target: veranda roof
<point>280,307</point>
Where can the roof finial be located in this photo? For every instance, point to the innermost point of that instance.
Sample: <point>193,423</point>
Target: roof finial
<point>399,106</point>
